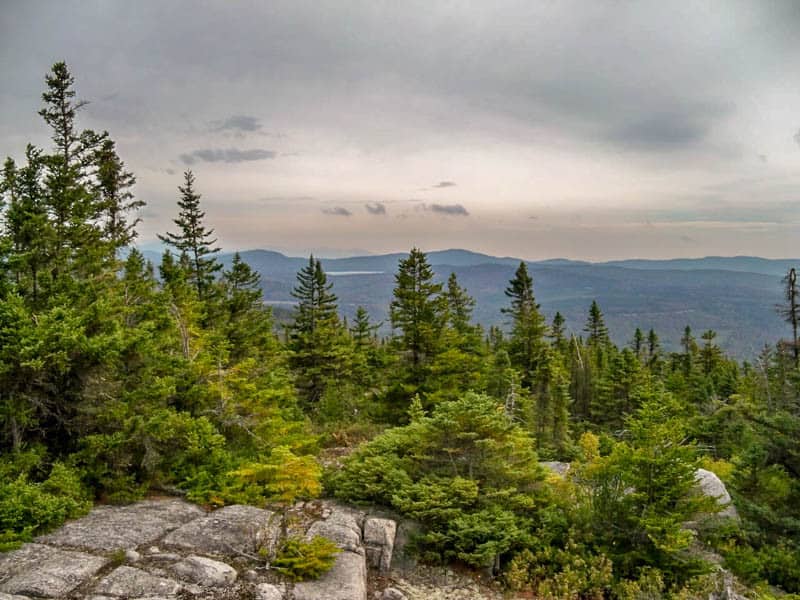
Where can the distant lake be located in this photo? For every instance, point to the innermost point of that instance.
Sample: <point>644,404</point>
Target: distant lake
<point>340,273</point>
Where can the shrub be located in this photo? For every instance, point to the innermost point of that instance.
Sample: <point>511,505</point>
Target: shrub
<point>29,508</point>
<point>467,472</point>
<point>300,560</point>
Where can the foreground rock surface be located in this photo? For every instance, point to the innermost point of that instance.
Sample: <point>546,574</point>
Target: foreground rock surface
<point>46,572</point>
<point>110,528</point>
<point>347,580</point>
<point>171,550</point>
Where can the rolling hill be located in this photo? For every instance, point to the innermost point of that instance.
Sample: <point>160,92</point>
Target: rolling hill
<point>735,296</point>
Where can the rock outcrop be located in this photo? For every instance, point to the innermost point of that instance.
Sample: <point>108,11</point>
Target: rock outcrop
<point>710,485</point>
<point>169,550</point>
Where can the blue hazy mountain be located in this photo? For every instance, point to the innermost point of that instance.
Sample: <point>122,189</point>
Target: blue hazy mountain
<point>735,296</point>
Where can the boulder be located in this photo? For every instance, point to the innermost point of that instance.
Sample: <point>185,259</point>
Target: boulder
<point>268,591</point>
<point>128,582</point>
<point>379,537</point>
<point>46,572</point>
<point>342,526</point>
<point>710,485</point>
<point>204,571</point>
<point>229,531</point>
<point>347,580</point>
<point>391,593</point>
<point>109,528</point>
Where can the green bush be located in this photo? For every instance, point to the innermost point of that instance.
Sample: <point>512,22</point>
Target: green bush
<point>467,472</point>
<point>300,560</point>
<point>776,564</point>
<point>28,509</point>
<point>164,446</point>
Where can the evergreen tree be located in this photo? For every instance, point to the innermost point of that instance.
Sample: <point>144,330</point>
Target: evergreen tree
<point>248,321</point>
<point>596,327</point>
<point>316,301</point>
<point>316,335</point>
<point>558,332</point>
<point>116,199</point>
<point>28,230</point>
<point>710,353</point>
<point>790,311</point>
<point>653,349</point>
<point>72,205</point>
<point>526,343</point>
<point>417,310</point>
<point>194,239</point>
<point>644,488</point>
<point>689,346</point>
<point>621,389</point>
<point>459,307</point>
<point>638,342</point>
<point>368,355</point>
<point>363,331</point>
<point>551,406</point>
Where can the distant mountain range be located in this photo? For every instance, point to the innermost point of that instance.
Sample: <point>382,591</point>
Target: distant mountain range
<point>735,296</point>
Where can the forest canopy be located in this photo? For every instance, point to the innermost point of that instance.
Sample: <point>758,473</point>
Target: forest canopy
<point>119,378</point>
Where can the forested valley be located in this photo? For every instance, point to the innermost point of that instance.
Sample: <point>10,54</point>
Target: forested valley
<point>120,378</point>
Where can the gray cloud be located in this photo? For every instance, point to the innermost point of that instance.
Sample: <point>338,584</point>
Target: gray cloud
<point>375,208</point>
<point>668,130</point>
<point>445,184</point>
<point>337,211</point>
<point>456,210</point>
<point>238,123</point>
<point>525,96</point>
<point>226,155</point>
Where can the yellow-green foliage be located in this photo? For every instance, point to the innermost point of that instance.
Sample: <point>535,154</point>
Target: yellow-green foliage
<point>283,477</point>
<point>720,467</point>
<point>302,560</point>
<point>554,574</point>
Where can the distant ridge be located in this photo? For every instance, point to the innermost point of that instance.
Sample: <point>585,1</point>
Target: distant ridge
<point>735,296</point>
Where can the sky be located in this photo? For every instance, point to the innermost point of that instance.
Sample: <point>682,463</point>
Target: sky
<point>536,129</point>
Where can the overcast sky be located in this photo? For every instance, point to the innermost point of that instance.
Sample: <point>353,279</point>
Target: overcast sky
<point>590,130</point>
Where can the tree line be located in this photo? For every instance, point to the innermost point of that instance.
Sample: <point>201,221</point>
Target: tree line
<point>119,377</point>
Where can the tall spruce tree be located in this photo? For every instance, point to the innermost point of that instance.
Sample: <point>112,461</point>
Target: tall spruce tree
<point>596,327</point>
<point>558,332</point>
<point>417,309</point>
<point>315,336</point>
<point>194,239</point>
<point>790,311</point>
<point>28,230</point>
<point>638,342</point>
<point>459,307</point>
<point>689,345</point>
<point>72,204</point>
<point>653,349</point>
<point>248,321</point>
<point>363,330</point>
<point>116,200</point>
<point>528,328</point>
